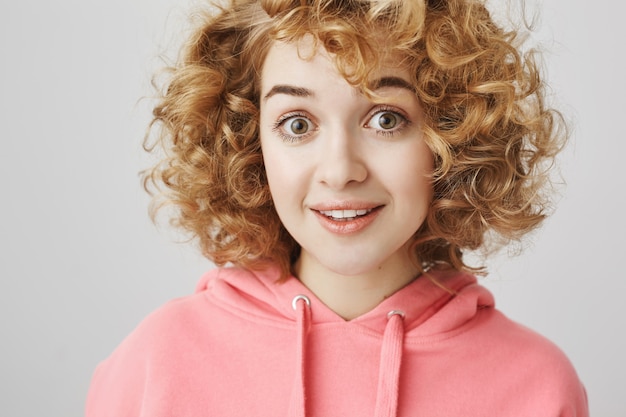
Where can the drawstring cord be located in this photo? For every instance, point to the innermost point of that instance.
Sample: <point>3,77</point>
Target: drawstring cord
<point>390,361</point>
<point>301,304</point>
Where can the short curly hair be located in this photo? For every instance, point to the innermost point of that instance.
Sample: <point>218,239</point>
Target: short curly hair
<point>487,124</point>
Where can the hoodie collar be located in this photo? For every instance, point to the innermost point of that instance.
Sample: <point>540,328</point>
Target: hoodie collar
<point>437,302</point>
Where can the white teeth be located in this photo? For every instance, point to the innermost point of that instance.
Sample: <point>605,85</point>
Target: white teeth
<point>345,214</point>
<point>342,214</point>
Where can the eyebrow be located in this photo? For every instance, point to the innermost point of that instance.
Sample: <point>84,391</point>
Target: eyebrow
<point>379,83</point>
<point>288,90</point>
<point>391,82</point>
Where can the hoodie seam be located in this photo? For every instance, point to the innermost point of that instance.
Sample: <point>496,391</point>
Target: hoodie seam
<point>481,316</point>
<point>287,322</point>
<point>357,328</point>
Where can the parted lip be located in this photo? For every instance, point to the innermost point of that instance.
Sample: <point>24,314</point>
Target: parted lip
<point>345,205</point>
<point>346,217</point>
<point>345,213</point>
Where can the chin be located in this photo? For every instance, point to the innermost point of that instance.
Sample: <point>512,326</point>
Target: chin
<point>347,267</point>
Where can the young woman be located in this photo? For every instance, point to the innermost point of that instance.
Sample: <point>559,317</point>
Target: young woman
<point>339,157</point>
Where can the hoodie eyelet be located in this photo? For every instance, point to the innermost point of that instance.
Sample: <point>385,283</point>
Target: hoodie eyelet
<point>294,302</point>
<point>395,313</point>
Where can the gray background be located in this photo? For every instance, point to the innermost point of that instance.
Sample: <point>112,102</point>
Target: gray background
<point>81,264</point>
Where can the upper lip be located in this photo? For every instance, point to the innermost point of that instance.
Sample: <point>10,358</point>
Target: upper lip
<point>345,205</point>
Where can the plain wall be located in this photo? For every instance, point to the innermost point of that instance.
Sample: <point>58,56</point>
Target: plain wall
<point>81,264</point>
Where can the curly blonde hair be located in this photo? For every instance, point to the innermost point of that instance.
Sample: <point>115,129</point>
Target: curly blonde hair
<point>487,124</point>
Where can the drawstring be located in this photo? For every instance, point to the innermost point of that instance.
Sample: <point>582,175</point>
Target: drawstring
<point>301,304</point>
<point>389,373</point>
<point>390,361</point>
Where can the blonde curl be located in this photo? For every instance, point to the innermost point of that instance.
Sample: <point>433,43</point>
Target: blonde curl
<point>487,124</point>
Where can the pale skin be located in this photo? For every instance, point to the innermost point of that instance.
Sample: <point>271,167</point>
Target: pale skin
<point>349,177</point>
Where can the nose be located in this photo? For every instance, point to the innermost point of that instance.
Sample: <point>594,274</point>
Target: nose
<point>340,161</point>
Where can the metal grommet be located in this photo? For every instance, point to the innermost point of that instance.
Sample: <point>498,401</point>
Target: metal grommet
<point>294,302</point>
<point>395,313</point>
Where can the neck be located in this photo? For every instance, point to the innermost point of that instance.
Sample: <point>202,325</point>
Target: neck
<point>351,296</point>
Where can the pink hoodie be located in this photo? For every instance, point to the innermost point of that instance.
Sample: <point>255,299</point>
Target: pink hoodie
<point>246,346</point>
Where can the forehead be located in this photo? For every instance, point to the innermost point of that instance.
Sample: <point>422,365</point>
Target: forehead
<point>306,60</point>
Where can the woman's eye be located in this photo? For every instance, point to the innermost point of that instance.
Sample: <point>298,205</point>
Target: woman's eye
<point>385,120</point>
<point>297,125</point>
<point>293,127</point>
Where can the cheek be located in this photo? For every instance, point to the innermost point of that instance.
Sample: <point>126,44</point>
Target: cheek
<point>271,161</point>
<point>416,189</point>
<point>409,171</point>
<point>281,173</point>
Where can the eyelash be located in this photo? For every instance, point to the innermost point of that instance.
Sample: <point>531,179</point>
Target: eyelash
<point>403,122</point>
<point>278,125</point>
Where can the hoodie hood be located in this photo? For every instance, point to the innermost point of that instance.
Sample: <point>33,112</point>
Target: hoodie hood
<point>433,305</point>
<point>436,303</point>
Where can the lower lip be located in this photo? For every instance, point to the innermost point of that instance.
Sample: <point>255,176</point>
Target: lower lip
<point>346,227</point>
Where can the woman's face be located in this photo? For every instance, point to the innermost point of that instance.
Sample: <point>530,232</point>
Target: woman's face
<point>350,178</point>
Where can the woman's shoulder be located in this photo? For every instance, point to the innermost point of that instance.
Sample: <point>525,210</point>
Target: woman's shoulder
<point>198,313</point>
<point>524,354</point>
<point>158,355</point>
